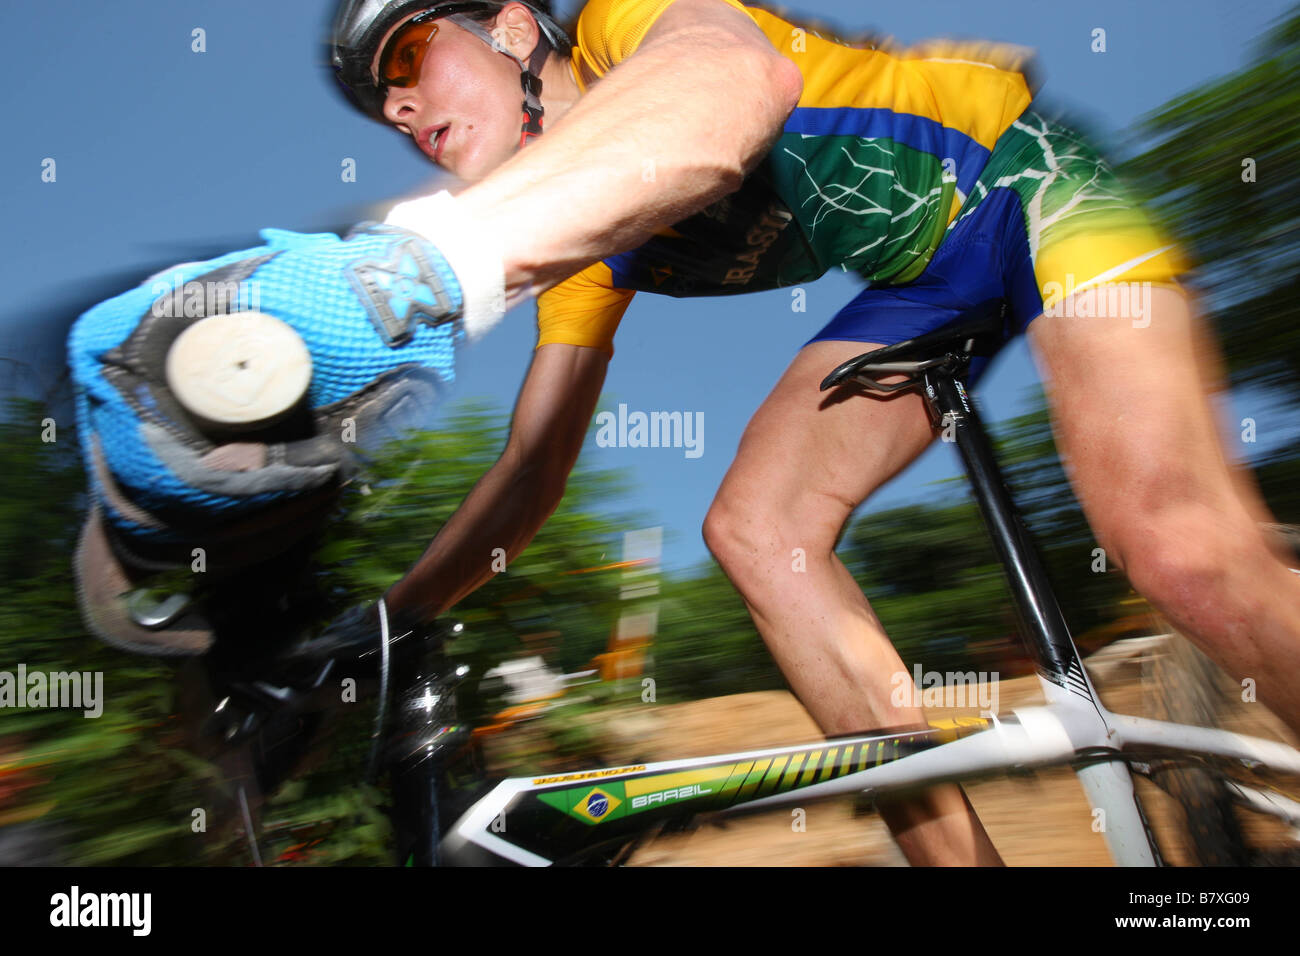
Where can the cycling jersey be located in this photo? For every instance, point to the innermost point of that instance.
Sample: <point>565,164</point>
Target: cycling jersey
<point>884,152</point>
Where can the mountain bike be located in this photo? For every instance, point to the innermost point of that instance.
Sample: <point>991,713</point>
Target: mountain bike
<point>446,813</point>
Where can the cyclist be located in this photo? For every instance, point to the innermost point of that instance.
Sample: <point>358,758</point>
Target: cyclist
<point>709,147</point>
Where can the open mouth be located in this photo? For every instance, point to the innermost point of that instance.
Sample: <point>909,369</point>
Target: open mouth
<point>434,141</point>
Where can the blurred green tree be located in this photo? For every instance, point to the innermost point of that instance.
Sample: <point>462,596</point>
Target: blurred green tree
<point>414,485</point>
<point>1218,168</point>
<point>121,788</point>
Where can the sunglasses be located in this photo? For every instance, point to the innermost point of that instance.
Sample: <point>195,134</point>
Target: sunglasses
<point>400,63</point>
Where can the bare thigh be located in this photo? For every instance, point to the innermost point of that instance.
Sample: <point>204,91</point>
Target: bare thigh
<point>1133,420</point>
<point>808,458</point>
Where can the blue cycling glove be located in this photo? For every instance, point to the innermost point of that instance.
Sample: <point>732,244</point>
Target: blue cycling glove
<point>379,313</point>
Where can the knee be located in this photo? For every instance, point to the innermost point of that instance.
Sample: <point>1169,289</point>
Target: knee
<point>730,533</point>
<point>1185,555</point>
<point>756,535</point>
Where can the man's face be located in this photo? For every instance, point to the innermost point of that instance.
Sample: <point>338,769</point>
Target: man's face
<point>467,102</point>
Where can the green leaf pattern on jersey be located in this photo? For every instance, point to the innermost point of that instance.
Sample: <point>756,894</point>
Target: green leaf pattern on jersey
<point>870,205</point>
<point>1064,185</point>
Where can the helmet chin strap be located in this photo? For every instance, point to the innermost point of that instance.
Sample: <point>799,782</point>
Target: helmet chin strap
<point>529,75</point>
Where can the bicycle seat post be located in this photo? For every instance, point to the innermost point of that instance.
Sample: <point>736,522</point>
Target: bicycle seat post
<point>1042,622</point>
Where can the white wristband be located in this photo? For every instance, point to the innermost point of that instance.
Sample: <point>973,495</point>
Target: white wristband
<point>474,256</point>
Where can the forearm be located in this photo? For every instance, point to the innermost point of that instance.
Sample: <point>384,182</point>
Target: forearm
<point>504,510</point>
<point>647,146</point>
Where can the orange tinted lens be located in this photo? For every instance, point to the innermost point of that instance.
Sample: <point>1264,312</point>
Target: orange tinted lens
<point>404,55</point>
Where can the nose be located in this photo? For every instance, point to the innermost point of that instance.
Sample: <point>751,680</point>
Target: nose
<point>400,105</point>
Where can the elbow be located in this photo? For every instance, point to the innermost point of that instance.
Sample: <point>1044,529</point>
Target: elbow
<point>757,73</point>
<point>537,478</point>
<point>786,86</point>
<point>741,91</point>
<point>775,84</point>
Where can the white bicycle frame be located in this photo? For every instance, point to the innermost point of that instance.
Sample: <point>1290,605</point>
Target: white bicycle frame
<point>539,821</point>
<point>1073,728</point>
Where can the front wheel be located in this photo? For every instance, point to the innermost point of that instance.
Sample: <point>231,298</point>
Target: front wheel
<point>1186,687</point>
<point>1184,690</point>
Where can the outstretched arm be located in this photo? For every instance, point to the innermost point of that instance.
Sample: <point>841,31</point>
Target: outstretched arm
<point>698,103</point>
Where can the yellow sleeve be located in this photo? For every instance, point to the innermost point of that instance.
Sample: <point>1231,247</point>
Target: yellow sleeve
<point>584,309</point>
<point>609,31</point>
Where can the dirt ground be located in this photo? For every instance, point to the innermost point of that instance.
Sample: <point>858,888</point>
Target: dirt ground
<point>1038,820</point>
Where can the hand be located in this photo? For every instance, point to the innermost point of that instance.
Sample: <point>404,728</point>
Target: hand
<point>349,637</point>
<point>354,637</point>
<point>379,313</point>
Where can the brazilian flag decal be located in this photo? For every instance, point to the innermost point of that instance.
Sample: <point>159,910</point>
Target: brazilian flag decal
<point>590,804</point>
<point>593,803</point>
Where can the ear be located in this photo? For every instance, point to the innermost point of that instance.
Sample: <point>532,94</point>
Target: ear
<point>516,31</point>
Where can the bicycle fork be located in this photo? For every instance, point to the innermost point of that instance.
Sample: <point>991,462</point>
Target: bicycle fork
<point>1069,692</point>
<point>425,739</point>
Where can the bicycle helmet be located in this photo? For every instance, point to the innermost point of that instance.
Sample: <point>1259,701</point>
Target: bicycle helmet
<point>359,25</point>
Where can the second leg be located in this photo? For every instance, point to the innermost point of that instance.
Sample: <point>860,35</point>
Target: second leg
<point>805,462</point>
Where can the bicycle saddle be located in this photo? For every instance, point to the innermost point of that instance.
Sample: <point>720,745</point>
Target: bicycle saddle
<point>978,331</point>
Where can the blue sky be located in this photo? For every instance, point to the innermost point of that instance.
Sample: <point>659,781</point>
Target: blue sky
<point>164,155</point>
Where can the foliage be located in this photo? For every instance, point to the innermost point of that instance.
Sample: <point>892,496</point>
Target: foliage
<point>707,645</point>
<point>113,789</point>
<point>123,788</point>
<point>413,486</point>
